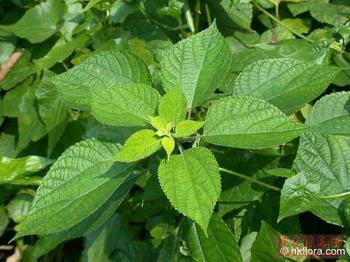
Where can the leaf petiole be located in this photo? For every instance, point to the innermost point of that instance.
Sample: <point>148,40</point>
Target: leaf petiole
<point>248,178</point>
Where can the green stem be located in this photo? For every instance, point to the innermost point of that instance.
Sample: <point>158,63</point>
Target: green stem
<point>281,24</point>
<point>197,12</point>
<point>188,16</point>
<point>344,194</point>
<point>207,12</point>
<point>250,179</point>
<point>181,149</point>
<point>277,10</point>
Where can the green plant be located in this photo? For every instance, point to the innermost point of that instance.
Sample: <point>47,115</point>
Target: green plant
<point>203,149</point>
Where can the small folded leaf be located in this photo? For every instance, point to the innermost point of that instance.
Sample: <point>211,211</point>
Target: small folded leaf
<point>331,114</point>
<point>83,178</point>
<point>158,123</point>
<point>286,83</point>
<point>101,70</point>
<point>193,65</point>
<point>187,127</point>
<point>191,182</point>
<point>168,144</point>
<point>173,106</point>
<point>129,105</point>
<point>247,122</point>
<point>139,145</point>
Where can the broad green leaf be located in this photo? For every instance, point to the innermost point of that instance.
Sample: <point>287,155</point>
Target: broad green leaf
<point>331,114</point>
<point>323,164</point>
<point>87,165</point>
<point>102,70</point>
<point>191,182</point>
<point>247,122</point>
<point>168,143</point>
<point>19,206</point>
<point>129,105</point>
<point>48,242</point>
<point>330,13</point>
<point>52,110</point>
<point>14,168</point>
<point>173,106</point>
<point>197,65</point>
<point>40,22</point>
<point>265,247</point>
<point>59,52</point>
<point>187,127</point>
<point>139,145</point>
<point>218,244</point>
<point>286,83</point>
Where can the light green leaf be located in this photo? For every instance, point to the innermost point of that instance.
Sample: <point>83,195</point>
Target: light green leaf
<point>330,13</point>
<point>102,70</point>
<point>187,127</point>
<point>87,165</point>
<point>173,106</point>
<point>40,22</point>
<point>191,182</point>
<point>247,122</point>
<point>59,52</point>
<point>331,114</point>
<point>139,145</point>
<point>286,83</point>
<point>197,65</point>
<point>218,245</point>
<point>299,25</point>
<point>168,144</point>
<point>158,123</point>
<point>323,164</point>
<point>19,206</point>
<point>11,169</point>
<point>52,110</point>
<point>124,105</point>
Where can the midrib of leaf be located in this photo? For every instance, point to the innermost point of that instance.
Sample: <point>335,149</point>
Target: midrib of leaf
<point>193,57</point>
<point>295,87</point>
<point>193,187</point>
<point>273,78</point>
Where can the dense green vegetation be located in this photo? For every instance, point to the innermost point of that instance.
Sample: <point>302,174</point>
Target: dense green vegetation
<point>172,130</point>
